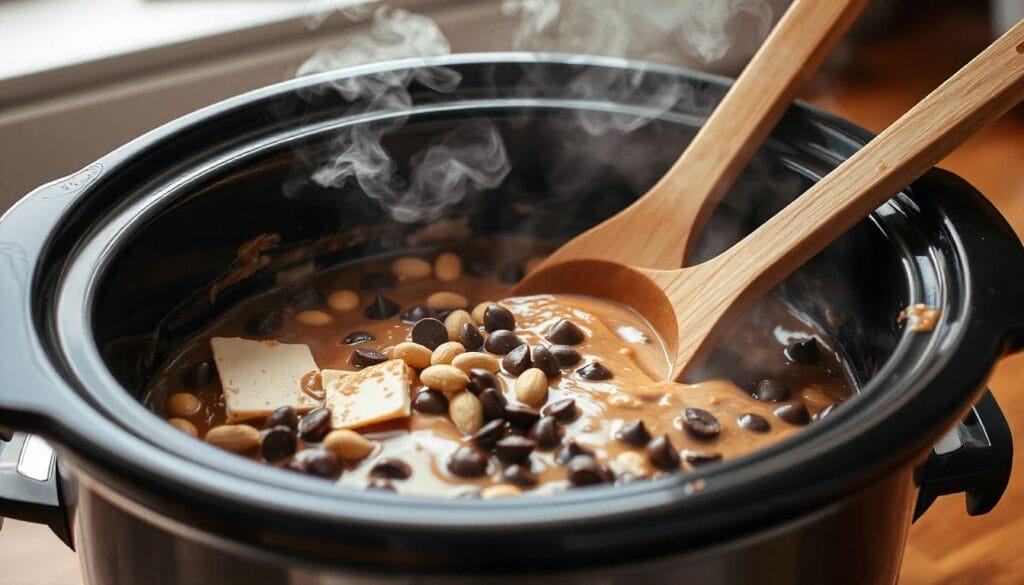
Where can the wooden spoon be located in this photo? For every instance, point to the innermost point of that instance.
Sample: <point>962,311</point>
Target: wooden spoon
<point>689,306</point>
<point>685,196</point>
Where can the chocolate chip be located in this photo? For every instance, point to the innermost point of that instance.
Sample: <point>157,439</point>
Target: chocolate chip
<point>517,361</point>
<point>470,337</point>
<point>490,433</point>
<point>661,453</point>
<point>493,403</point>
<point>357,337</point>
<point>546,432</point>
<point>696,458</point>
<point>282,416</point>
<point>365,357</point>
<point>381,484</point>
<point>565,332</point>
<point>634,434</point>
<point>391,468</point>
<point>199,375</point>
<point>510,273</point>
<point>382,308</point>
<point>321,463</point>
<point>264,323</point>
<point>519,475</point>
<point>565,355</point>
<point>754,423</point>
<point>278,443</point>
<point>468,461</point>
<point>315,425</point>
<point>378,282</point>
<point>478,267</point>
<point>771,390</point>
<point>793,413</point>
<point>804,351</point>
<point>306,297</point>
<point>563,410</point>
<point>828,410</point>
<point>570,450</point>
<point>429,333</point>
<point>416,313</point>
<point>430,402</point>
<point>521,416</point>
<point>497,317</point>
<point>514,449</point>
<point>542,359</point>
<point>481,379</point>
<point>594,371</point>
<point>502,341</point>
<point>701,424</point>
<point>584,471</point>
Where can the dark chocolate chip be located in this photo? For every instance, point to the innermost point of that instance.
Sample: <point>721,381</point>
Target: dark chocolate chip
<point>497,317</point>
<point>754,423</point>
<point>306,297</point>
<point>430,402</point>
<point>584,470</point>
<point>278,443</point>
<point>570,450</point>
<point>378,282</point>
<point>470,337</point>
<point>793,413</point>
<point>391,468</point>
<point>429,333</point>
<point>322,463</point>
<point>565,332</point>
<point>700,423</point>
<point>696,458</point>
<point>634,434</point>
<point>566,355</point>
<point>490,433</point>
<point>805,351</point>
<point>542,359</point>
<point>365,357</point>
<point>510,273</point>
<point>520,416</point>
<point>282,416</point>
<point>357,337</point>
<point>661,453</point>
<point>546,432</point>
<point>479,267</point>
<point>502,341</point>
<point>594,371</point>
<point>199,375</point>
<point>264,323</point>
<point>771,390</point>
<point>517,361</point>
<point>493,403</point>
<point>563,410</point>
<point>315,425</point>
<point>468,461</point>
<point>514,449</point>
<point>481,379</point>
<point>519,475</point>
<point>828,410</point>
<point>382,308</point>
<point>416,313</point>
<point>381,484</point>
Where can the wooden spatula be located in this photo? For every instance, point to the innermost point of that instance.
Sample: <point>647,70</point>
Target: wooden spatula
<point>693,187</point>
<point>688,306</point>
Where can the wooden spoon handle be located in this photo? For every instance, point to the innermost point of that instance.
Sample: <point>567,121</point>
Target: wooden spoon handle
<point>658,230</point>
<point>980,92</point>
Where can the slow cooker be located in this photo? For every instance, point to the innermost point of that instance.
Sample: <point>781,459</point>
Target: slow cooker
<point>104,272</point>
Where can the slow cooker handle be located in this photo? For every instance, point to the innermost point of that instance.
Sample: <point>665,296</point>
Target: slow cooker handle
<point>975,457</point>
<point>29,486</point>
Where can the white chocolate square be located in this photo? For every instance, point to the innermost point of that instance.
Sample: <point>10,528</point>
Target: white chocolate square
<point>260,376</point>
<point>371,395</point>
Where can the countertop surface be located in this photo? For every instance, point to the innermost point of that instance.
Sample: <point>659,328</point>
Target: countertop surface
<point>946,547</point>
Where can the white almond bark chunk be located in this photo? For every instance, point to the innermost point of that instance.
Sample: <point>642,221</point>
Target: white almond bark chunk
<point>260,376</point>
<point>371,395</point>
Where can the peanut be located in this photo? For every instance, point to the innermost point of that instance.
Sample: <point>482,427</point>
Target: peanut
<point>413,354</point>
<point>476,359</point>
<point>446,352</point>
<point>532,387</point>
<point>466,413</point>
<point>184,426</point>
<point>235,438</point>
<point>454,322</point>
<point>411,268</point>
<point>183,404</point>
<point>343,300</point>
<point>448,267</point>
<point>446,300</point>
<point>314,318</point>
<point>348,445</point>
<point>501,490</point>
<point>447,379</point>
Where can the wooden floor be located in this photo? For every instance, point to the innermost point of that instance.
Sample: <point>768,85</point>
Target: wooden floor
<point>946,547</point>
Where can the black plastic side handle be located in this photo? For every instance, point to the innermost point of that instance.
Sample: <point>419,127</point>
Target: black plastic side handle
<point>974,458</point>
<point>29,485</point>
